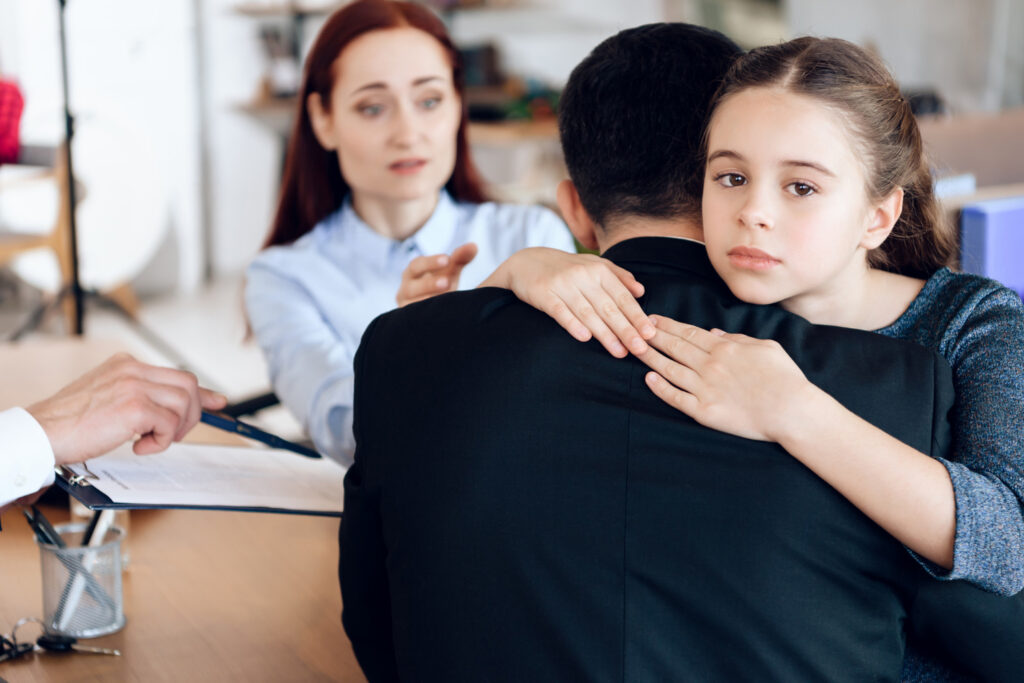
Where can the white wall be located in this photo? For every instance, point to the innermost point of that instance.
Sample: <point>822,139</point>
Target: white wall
<point>139,58</point>
<point>244,156</point>
<point>971,50</point>
<point>545,39</point>
<point>131,71</point>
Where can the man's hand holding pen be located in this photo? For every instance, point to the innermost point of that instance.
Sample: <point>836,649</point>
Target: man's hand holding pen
<point>118,401</point>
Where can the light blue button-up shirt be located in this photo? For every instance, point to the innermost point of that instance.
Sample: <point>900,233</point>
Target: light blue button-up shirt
<point>310,302</point>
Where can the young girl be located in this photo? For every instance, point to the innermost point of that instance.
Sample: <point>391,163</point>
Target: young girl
<point>818,197</point>
<point>380,205</point>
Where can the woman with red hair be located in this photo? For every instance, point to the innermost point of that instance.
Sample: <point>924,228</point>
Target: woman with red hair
<point>380,204</point>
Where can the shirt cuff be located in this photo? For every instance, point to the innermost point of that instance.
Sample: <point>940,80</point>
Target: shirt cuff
<point>26,458</point>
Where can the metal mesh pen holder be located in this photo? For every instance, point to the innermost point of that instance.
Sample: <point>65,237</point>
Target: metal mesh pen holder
<point>82,594</point>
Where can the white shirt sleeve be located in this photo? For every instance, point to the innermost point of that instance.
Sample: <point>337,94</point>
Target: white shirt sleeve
<point>26,458</point>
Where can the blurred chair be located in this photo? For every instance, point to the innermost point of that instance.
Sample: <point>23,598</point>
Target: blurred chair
<point>52,164</point>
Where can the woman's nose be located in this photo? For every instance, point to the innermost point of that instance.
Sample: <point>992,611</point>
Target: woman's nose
<point>404,130</point>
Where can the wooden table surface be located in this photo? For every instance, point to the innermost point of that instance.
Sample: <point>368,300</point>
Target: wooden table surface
<point>209,596</point>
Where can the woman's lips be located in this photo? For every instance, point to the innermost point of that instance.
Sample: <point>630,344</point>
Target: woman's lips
<point>752,259</point>
<point>407,166</point>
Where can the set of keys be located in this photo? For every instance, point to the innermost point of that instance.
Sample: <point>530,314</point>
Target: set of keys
<point>49,642</point>
<point>53,642</point>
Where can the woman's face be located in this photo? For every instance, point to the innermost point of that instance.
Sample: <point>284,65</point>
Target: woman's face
<point>393,115</point>
<point>786,213</point>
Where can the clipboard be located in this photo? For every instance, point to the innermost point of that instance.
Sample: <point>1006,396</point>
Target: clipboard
<point>205,477</point>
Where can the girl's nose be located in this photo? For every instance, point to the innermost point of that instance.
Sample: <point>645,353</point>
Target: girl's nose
<point>755,213</point>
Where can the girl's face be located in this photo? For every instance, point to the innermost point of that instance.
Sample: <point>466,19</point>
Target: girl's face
<point>786,212</point>
<point>393,115</point>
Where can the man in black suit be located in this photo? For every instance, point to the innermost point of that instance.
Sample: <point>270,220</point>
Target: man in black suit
<point>522,508</point>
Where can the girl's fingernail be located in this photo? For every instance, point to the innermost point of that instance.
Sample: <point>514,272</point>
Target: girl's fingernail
<point>442,282</point>
<point>718,333</point>
<point>442,261</point>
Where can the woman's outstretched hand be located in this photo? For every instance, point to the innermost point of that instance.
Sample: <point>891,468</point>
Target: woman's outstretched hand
<point>587,295</point>
<point>729,382</point>
<point>428,276</point>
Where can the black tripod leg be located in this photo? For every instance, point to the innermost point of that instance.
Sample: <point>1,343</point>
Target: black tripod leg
<point>41,313</point>
<point>148,335</point>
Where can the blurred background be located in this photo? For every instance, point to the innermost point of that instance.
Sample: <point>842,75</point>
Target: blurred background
<point>183,108</point>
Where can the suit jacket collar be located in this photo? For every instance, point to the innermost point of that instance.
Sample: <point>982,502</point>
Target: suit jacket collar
<point>672,252</point>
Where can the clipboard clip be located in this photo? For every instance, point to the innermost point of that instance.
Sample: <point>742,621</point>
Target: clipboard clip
<point>72,477</point>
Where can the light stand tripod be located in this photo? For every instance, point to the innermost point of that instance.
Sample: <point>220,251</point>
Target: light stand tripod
<point>74,288</point>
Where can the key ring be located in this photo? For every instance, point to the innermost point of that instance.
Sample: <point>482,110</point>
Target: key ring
<point>10,648</point>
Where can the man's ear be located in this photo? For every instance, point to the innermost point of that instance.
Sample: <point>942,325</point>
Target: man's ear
<point>320,121</point>
<point>581,225</point>
<point>882,220</point>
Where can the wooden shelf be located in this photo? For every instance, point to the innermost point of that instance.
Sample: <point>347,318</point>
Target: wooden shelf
<point>284,9</point>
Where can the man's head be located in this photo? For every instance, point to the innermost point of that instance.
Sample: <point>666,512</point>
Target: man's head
<point>631,120</point>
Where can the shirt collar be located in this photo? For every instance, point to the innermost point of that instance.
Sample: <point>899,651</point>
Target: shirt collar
<point>435,237</point>
<point>673,252</point>
<point>437,234</point>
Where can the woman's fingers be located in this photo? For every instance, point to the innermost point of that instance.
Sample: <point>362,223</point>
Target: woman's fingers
<point>424,277</point>
<point>422,265</point>
<point>428,276</point>
<point>460,258</point>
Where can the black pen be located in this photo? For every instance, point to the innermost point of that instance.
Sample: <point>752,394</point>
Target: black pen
<point>35,527</point>
<point>45,529</point>
<point>230,424</point>
<point>91,528</point>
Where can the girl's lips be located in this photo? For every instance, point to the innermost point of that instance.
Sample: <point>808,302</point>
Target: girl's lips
<point>752,259</point>
<point>407,166</point>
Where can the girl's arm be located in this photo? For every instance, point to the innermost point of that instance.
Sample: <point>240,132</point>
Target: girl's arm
<point>587,295</point>
<point>752,388</point>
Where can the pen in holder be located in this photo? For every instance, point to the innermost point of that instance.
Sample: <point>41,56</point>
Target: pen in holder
<point>122,520</point>
<point>82,593</point>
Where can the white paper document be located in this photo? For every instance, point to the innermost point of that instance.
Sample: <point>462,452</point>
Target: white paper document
<point>195,475</point>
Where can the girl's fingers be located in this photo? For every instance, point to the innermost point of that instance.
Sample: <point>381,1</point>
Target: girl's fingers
<point>678,371</point>
<point>584,311</point>
<point>681,349</point>
<point>697,336</point>
<point>626,278</point>
<point>680,400</point>
<point>557,309</point>
<point>606,307</point>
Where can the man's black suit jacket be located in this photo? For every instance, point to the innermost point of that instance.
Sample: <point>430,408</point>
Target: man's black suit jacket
<point>522,508</point>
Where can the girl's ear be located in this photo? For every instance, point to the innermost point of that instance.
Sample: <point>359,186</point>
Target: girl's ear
<point>882,219</point>
<point>320,121</point>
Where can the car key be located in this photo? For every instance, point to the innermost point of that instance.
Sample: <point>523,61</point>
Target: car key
<point>54,642</point>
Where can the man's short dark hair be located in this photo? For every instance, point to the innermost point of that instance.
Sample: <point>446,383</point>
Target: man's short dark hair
<point>632,116</point>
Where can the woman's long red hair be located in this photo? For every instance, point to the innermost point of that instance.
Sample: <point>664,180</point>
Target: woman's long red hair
<point>312,186</point>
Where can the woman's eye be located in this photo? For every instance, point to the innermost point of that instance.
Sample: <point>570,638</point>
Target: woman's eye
<point>731,179</point>
<point>430,102</point>
<point>802,189</point>
<point>370,110</point>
